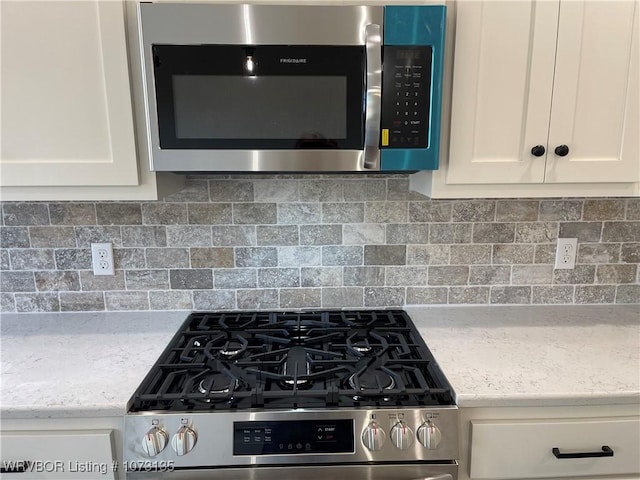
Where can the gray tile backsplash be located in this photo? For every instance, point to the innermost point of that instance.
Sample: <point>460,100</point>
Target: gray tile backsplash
<point>227,242</point>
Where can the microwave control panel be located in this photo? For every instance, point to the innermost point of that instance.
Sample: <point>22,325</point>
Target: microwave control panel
<point>406,96</point>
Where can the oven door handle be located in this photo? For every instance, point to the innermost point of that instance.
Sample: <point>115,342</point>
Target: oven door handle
<point>373,42</point>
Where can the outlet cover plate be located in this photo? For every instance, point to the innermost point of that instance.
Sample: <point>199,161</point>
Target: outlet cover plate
<point>102,258</point>
<point>566,253</point>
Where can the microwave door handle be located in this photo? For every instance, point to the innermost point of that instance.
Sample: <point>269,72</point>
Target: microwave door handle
<point>371,157</point>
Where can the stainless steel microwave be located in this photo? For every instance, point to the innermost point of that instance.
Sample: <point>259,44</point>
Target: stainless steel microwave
<point>266,88</point>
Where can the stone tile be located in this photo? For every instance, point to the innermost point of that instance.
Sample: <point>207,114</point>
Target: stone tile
<point>600,253</point>
<point>144,236</point>
<point>470,254</point>
<point>52,237</point>
<point>583,231</point>
<point>275,190</point>
<point>582,274</point>
<point>489,275</point>
<point>347,255</point>
<point>384,296</point>
<point>560,210</point>
<point>468,295</point>
<point>85,236</point>
<point>538,232</point>
<point>57,281</point>
<point>231,191</point>
<point>15,237</point>
<point>16,214</point>
<point>363,233</point>
<point>72,213</point>
<point>587,294</point>
<point>299,256</point>
<point>37,302</point>
<point>363,276</point>
<point>129,258</point>
<point>281,235</point>
<point>621,232</point>
<point>555,294</point>
<point>513,254</point>
<point>299,213</point>
<point>32,259</point>
<point>191,279</point>
<point>545,253</point>
<point>209,213</point>
<point>450,233</point>
<point>121,301</point>
<point>363,190</point>
<point>320,234</point>
<point>4,260</point>
<point>119,213</point>
<point>603,209</point>
<point>257,299</point>
<point>616,274</point>
<point>91,282</point>
<point>342,297</point>
<point>343,212</point>
<point>232,235</point>
<point>454,275</point>
<point>7,303</point>
<point>300,297</point>
<point>398,189</point>
<point>255,213</point>
<point>193,191</point>
<point>517,210</point>
<point>386,212</point>
<point>190,235</point>
<point>167,257</point>
<point>385,254</point>
<point>629,253</point>
<point>531,274</point>
<point>406,276</point>
<point>428,211</point>
<point>321,190</point>
<point>412,233</point>
<point>73,258</point>
<point>147,279</point>
<point>510,295</point>
<point>427,254</point>
<point>164,213</point>
<point>474,211</point>
<point>278,277</point>
<point>81,301</point>
<point>170,300</point>
<point>321,276</point>
<point>214,300</point>
<point>426,295</point>
<point>628,294</point>
<point>212,257</point>
<point>235,278</point>
<point>256,256</point>
<point>493,232</point>
<point>633,209</point>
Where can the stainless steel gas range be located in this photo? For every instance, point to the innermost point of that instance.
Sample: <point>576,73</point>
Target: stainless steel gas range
<point>291,395</point>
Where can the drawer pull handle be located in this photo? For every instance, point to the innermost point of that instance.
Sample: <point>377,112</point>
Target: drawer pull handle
<point>15,467</point>
<point>605,452</point>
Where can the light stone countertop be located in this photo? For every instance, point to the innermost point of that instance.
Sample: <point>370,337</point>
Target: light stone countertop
<point>89,364</point>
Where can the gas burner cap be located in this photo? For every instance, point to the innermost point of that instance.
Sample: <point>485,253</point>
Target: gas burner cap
<point>231,349</point>
<point>217,384</point>
<point>372,380</point>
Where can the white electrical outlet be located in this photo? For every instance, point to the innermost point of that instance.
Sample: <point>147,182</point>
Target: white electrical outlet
<point>102,258</point>
<point>566,253</point>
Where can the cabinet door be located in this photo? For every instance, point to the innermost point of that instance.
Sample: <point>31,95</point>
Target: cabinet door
<point>66,99</point>
<point>595,96</point>
<point>503,79</point>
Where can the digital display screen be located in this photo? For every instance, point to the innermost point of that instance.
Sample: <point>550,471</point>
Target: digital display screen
<point>293,437</point>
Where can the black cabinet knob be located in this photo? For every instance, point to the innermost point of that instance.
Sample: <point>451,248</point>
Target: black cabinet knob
<point>538,151</point>
<point>561,150</point>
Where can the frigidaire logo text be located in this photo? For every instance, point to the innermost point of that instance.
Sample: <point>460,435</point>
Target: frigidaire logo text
<point>293,60</point>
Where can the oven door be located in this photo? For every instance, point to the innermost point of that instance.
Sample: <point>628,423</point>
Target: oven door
<point>315,472</point>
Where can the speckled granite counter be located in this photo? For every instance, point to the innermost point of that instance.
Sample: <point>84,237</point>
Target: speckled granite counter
<point>89,364</point>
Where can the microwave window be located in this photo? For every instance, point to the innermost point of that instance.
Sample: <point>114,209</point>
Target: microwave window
<point>260,107</point>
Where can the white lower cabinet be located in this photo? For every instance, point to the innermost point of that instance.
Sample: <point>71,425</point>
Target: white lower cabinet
<point>551,442</point>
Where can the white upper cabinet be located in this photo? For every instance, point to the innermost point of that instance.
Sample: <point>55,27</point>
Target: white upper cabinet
<point>533,78</point>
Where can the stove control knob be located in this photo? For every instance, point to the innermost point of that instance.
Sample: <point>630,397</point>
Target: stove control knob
<point>401,435</point>
<point>373,436</point>
<point>155,441</point>
<point>184,440</point>
<point>429,435</point>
